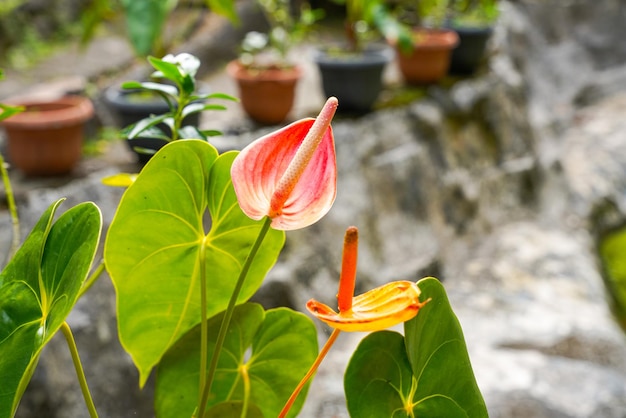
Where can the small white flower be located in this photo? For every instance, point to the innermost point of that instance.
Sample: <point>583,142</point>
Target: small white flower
<point>280,35</point>
<point>187,63</point>
<point>254,41</point>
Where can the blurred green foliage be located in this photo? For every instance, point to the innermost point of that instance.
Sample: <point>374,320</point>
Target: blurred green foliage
<point>30,30</point>
<point>613,256</point>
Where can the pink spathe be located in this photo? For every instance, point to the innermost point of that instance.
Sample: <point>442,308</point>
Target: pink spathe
<point>289,175</point>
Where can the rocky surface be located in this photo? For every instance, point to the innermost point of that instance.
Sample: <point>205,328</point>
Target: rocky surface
<point>493,185</point>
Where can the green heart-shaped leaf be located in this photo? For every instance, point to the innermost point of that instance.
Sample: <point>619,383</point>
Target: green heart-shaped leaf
<point>233,409</point>
<point>274,348</point>
<point>157,239</point>
<point>378,379</point>
<point>426,374</point>
<point>438,355</point>
<point>38,289</point>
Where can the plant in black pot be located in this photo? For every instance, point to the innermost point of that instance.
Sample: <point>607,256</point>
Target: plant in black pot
<point>353,71</point>
<point>474,21</point>
<point>167,109</point>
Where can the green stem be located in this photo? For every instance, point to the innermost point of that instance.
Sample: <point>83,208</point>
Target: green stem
<point>228,314</point>
<point>12,208</point>
<point>92,279</point>
<point>67,332</point>
<point>183,100</point>
<point>311,372</point>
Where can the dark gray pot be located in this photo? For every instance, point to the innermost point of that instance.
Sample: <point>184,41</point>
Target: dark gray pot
<point>470,51</point>
<point>129,111</point>
<point>355,79</point>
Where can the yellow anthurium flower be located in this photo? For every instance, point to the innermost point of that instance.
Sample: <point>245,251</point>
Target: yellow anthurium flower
<point>377,309</point>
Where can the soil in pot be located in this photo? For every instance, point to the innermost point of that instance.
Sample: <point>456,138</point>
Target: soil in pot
<point>354,78</point>
<point>429,60</point>
<point>267,95</point>
<point>47,138</point>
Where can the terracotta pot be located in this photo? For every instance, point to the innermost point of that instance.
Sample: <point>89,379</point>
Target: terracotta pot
<point>355,79</point>
<point>429,60</point>
<point>47,138</point>
<point>266,95</point>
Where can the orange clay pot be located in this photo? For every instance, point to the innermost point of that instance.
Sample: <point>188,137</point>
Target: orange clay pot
<point>47,137</point>
<point>429,60</point>
<point>266,95</point>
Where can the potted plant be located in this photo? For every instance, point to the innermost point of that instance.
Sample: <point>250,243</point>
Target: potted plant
<point>155,113</point>
<point>265,74</point>
<point>473,20</point>
<point>47,137</point>
<point>129,106</point>
<point>423,45</point>
<point>353,71</point>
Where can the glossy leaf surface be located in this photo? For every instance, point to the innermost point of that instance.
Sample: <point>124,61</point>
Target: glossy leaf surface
<point>157,239</point>
<point>169,93</point>
<point>168,70</point>
<point>38,289</point>
<point>275,349</point>
<point>140,128</point>
<point>378,378</point>
<point>233,409</point>
<point>429,375</point>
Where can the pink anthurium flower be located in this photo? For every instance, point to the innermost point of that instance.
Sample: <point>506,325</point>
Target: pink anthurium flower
<point>289,175</point>
<point>377,309</point>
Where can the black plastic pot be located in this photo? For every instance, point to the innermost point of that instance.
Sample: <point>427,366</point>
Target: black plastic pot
<point>469,53</point>
<point>131,106</point>
<point>355,79</point>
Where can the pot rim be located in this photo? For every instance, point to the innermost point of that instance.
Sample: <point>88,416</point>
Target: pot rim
<point>374,53</point>
<point>239,72</point>
<point>59,112</point>
<point>435,38</point>
<point>118,98</point>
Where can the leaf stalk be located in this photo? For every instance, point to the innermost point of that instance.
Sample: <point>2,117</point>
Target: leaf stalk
<point>228,314</point>
<point>15,243</point>
<point>67,332</point>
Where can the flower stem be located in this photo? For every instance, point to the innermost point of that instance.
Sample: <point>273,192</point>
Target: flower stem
<point>15,243</point>
<point>228,314</point>
<point>67,332</point>
<point>92,279</point>
<point>311,372</point>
